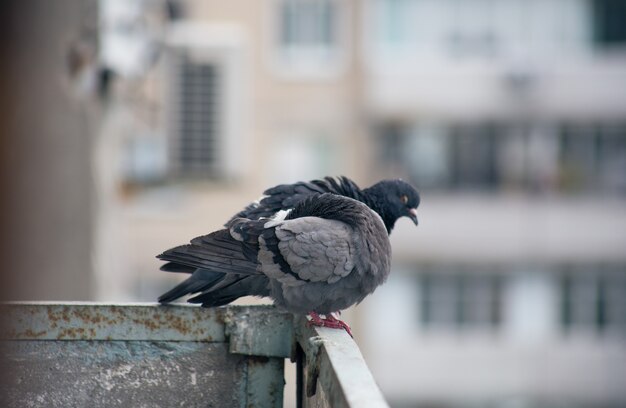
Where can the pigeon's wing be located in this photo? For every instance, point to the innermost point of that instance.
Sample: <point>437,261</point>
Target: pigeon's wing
<point>174,267</point>
<point>231,250</point>
<point>307,249</point>
<point>286,196</point>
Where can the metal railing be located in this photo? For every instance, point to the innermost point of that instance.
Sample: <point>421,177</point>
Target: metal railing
<point>99,355</point>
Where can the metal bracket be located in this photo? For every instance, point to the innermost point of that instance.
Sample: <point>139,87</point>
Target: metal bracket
<point>256,332</point>
<point>313,364</point>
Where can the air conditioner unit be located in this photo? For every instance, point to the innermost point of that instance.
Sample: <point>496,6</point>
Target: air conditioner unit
<point>206,96</point>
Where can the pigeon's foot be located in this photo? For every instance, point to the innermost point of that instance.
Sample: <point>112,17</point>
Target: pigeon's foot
<point>328,321</point>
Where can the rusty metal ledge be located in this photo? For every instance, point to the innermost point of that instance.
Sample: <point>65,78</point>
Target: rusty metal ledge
<point>150,322</point>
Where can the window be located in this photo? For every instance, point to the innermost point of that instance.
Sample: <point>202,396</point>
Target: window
<point>573,299</point>
<point>461,300</point>
<point>207,103</point>
<point>474,157</point>
<point>612,158</point>
<point>481,29</point>
<point>307,24</point>
<point>196,150</point>
<point>489,156</point>
<point>427,156</point>
<point>391,145</point>
<point>309,39</point>
<point>593,157</point>
<point>609,17</point>
<point>593,299</point>
<point>461,156</point>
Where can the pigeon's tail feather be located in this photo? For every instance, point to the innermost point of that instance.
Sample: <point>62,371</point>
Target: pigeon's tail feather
<point>199,281</point>
<point>224,267</point>
<point>232,288</point>
<point>217,252</point>
<point>176,267</point>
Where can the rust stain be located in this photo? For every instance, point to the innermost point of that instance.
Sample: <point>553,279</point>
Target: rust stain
<point>65,314</point>
<point>73,322</point>
<point>72,333</point>
<point>30,334</point>
<point>180,325</point>
<point>165,321</point>
<point>52,317</point>
<point>117,310</point>
<point>87,316</point>
<point>147,323</point>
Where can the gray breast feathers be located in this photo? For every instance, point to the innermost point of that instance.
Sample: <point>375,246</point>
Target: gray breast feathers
<point>317,250</point>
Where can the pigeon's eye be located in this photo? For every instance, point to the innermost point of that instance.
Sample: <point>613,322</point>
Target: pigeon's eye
<point>404,199</point>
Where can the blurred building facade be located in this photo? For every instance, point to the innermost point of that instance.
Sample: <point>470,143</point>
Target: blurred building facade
<point>511,114</point>
<point>508,115</point>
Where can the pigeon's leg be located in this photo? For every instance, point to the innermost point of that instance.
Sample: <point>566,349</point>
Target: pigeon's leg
<point>339,324</point>
<point>316,320</point>
<point>328,321</point>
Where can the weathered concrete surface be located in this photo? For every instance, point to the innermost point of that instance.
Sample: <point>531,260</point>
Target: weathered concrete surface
<point>124,374</point>
<point>265,382</point>
<point>142,355</point>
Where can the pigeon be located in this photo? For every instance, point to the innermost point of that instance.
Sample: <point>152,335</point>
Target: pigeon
<point>313,247</point>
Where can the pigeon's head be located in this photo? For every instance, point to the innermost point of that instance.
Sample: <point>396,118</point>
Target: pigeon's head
<point>393,199</point>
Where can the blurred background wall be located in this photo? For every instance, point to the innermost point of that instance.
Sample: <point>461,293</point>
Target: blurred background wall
<point>134,126</point>
<point>49,121</point>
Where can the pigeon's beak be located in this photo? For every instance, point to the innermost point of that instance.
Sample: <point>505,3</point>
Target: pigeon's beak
<point>413,215</point>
